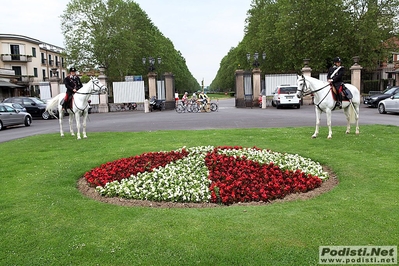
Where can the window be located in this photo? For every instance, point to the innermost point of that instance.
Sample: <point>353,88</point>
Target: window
<point>43,59</point>
<point>35,72</point>
<point>33,51</point>
<point>44,74</point>
<point>14,52</point>
<point>56,61</point>
<point>50,62</point>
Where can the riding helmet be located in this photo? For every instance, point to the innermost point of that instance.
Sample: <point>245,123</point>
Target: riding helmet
<point>72,69</point>
<point>337,59</point>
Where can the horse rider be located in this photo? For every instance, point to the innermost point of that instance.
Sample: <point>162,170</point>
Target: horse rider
<point>335,77</point>
<point>73,84</point>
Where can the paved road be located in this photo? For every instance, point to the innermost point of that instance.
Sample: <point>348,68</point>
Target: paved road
<point>226,117</point>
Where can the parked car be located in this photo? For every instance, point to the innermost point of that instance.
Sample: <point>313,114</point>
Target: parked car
<point>10,117</point>
<point>286,95</point>
<point>390,104</point>
<point>373,100</point>
<point>16,106</point>
<point>33,105</point>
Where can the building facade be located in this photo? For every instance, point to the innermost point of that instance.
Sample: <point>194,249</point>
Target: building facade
<point>25,63</point>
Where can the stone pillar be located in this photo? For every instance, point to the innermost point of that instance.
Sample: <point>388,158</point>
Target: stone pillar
<point>239,90</point>
<point>169,91</point>
<point>256,84</point>
<point>152,84</point>
<point>356,74</point>
<point>103,105</point>
<point>306,70</point>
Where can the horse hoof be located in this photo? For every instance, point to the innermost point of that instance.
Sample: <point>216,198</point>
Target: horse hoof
<point>347,132</point>
<point>62,135</point>
<point>314,136</point>
<point>85,137</point>
<point>329,137</point>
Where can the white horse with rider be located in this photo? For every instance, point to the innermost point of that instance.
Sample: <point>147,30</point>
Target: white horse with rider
<point>325,101</point>
<point>80,106</point>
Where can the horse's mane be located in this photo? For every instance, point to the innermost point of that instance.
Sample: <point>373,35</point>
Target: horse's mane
<point>312,79</point>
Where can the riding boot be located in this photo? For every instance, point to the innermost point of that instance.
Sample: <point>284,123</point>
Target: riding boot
<point>339,101</point>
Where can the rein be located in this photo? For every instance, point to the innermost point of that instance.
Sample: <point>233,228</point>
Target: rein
<point>305,94</point>
<point>88,93</point>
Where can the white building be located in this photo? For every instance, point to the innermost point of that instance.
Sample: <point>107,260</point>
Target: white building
<point>25,63</point>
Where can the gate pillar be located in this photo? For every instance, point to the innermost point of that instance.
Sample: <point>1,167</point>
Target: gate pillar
<point>103,105</point>
<point>169,91</point>
<point>239,89</point>
<point>356,73</point>
<point>152,84</point>
<point>256,85</point>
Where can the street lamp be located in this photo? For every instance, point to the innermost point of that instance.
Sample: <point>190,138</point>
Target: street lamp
<point>256,58</point>
<point>151,61</point>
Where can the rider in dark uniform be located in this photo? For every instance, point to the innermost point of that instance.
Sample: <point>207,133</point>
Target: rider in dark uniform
<point>73,84</point>
<point>335,77</point>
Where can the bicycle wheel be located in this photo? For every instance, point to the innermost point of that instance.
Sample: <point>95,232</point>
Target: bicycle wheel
<point>214,107</point>
<point>194,108</point>
<point>179,108</point>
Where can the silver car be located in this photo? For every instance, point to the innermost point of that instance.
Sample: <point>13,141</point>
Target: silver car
<point>390,104</point>
<point>10,117</point>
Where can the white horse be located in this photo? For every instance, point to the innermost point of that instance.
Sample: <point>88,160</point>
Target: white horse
<point>324,102</point>
<point>80,105</point>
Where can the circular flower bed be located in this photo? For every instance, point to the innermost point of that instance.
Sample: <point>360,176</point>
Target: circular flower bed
<point>208,174</point>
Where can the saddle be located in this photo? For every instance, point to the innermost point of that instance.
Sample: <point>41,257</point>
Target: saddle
<point>346,94</point>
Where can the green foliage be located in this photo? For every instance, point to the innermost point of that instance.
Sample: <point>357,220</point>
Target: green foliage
<point>291,30</point>
<point>45,220</point>
<point>118,34</point>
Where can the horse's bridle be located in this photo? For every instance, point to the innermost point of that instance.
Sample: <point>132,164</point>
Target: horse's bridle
<point>96,92</point>
<point>91,93</point>
<point>305,90</point>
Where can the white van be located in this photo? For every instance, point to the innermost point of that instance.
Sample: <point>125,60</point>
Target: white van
<point>286,95</point>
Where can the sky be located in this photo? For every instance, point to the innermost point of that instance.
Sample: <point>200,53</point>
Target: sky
<point>202,30</point>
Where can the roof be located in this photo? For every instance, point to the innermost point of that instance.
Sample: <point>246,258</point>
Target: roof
<point>9,85</point>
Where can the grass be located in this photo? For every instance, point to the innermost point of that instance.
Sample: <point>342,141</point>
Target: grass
<point>46,221</point>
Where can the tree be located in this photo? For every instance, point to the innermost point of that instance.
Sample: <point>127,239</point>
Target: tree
<point>118,34</point>
<point>292,30</point>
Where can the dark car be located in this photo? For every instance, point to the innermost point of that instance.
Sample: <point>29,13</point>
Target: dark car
<point>10,117</point>
<point>33,105</point>
<point>373,100</point>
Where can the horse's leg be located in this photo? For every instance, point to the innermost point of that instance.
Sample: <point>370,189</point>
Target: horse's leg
<point>60,117</point>
<point>357,119</point>
<point>328,114</point>
<point>77,118</point>
<point>347,113</point>
<point>318,114</point>
<point>85,113</point>
<point>71,115</point>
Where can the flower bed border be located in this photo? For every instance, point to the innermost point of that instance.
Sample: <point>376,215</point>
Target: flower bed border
<point>90,192</point>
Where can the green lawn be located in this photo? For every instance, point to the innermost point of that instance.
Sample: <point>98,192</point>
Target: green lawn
<point>46,221</point>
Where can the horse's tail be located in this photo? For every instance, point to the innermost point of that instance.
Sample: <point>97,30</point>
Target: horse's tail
<point>352,114</point>
<point>53,104</point>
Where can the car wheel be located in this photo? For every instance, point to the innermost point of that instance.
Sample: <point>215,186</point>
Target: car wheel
<point>28,121</point>
<point>45,115</point>
<point>381,109</point>
<point>1,125</point>
<point>298,106</point>
<point>273,104</point>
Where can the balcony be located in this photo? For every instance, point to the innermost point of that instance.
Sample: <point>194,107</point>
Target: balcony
<point>16,58</point>
<point>25,80</point>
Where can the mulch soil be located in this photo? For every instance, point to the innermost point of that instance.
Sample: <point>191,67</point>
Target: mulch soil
<point>91,192</point>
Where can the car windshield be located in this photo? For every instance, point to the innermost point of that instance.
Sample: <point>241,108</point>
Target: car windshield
<point>287,90</point>
<point>390,91</point>
<point>38,101</point>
